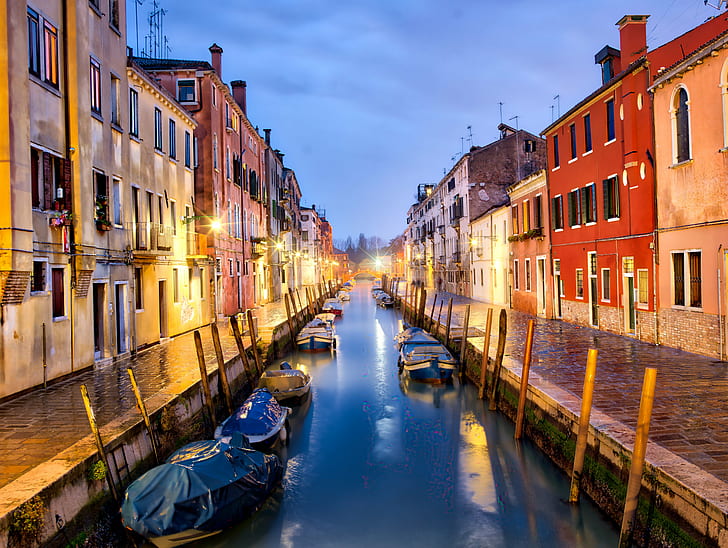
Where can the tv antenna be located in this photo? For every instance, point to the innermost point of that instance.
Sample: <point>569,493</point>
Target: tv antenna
<point>470,135</point>
<point>155,43</point>
<point>557,98</point>
<point>717,6</point>
<point>516,119</point>
<point>500,108</point>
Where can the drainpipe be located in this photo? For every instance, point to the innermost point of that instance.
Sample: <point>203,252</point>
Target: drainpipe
<point>720,307</point>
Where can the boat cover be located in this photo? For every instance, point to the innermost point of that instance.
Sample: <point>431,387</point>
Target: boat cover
<point>206,485</point>
<point>256,417</point>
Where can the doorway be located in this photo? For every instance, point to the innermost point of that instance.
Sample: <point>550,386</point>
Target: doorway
<point>541,286</point>
<point>558,288</point>
<point>630,320</point>
<point>121,343</point>
<point>98,294</point>
<point>162,309</point>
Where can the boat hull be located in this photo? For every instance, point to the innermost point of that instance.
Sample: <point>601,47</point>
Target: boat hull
<point>430,371</point>
<point>314,343</point>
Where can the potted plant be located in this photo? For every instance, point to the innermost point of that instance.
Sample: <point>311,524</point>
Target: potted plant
<point>102,213</point>
<point>60,218</point>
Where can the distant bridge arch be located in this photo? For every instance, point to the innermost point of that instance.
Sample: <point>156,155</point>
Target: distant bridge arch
<point>362,273</point>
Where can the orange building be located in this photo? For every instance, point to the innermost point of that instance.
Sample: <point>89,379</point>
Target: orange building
<point>691,164</point>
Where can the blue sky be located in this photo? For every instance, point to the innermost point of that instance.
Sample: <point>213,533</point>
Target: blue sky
<point>368,99</point>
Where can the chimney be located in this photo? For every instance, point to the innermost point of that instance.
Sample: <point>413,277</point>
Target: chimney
<point>240,94</point>
<point>632,38</point>
<point>216,53</point>
<point>267,136</point>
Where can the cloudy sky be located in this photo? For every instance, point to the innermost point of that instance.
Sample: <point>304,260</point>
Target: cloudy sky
<point>369,98</point>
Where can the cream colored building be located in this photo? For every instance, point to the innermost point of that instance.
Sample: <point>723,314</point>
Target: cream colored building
<point>490,256</point>
<point>171,283</point>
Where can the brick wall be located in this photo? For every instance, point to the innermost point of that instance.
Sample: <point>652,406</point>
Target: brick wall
<point>13,285</point>
<point>690,331</point>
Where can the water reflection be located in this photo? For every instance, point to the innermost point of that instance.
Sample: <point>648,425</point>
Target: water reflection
<point>376,460</point>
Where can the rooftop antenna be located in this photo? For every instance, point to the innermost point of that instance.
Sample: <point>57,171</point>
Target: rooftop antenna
<point>500,107</point>
<point>462,145</point>
<point>557,98</point>
<point>717,6</point>
<point>516,119</point>
<point>137,3</point>
<point>470,135</point>
<point>156,40</point>
<point>552,112</point>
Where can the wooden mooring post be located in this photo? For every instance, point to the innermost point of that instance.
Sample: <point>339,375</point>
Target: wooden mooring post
<point>523,392</point>
<point>502,332</point>
<point>464,341</point>
<point>584,417</point>
<point>486,350</point>
<point>447,326</point>
<point>291,332</point>
<point>254,343</point>
<point>439,315</point>
<point>223,386</point>
<point>241,351</point>
<point>145,416</point>
<point>421,307</point>
<point>99,442</point>
<point>432,314</point>
<point>207,395</point>
<point>638,457</point>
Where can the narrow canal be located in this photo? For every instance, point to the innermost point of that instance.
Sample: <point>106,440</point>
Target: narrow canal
<point>376,462</point>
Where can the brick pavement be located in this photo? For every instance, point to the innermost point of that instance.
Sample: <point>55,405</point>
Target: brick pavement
<point>44,422</point>
<point>690,413</point>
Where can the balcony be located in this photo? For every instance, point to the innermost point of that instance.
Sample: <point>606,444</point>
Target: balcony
<point>196,244</point>
<point>151,238</point>
<point>260,246</point>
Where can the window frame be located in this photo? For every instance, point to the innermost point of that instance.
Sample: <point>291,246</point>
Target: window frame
<point>572,139</point>
<point>579,284</point>
<point>557,213</point>
<point>133,113</point>
<point>172,130</point>
<point>611,122</point>
<point>158,134</point>
<point>555,147</point>
<point>588,146</point>
<point>95,89</point>
<point>516,276</point>
<point>58,293</point>
<point>44,289</point>
<point>680,118</point>
<point>606,285</point>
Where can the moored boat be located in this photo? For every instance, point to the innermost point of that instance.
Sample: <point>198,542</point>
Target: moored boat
<point>286,383</point>
<point>423,357</point>
<point>260,419</point>
<point>343,295</point>
<point>333,306</point>
<point>317,335</point>
<point>385,300</point>
<point>201,489</point>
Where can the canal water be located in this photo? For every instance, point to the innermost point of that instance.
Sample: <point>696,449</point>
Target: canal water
<point>377,462</point>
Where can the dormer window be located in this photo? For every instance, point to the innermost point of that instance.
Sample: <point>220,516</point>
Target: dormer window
<point>607,58</point>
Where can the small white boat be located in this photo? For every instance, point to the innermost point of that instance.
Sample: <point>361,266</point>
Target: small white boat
<point>334,306</point>
<point>343,295</point>
<point>317,335</point>
<point>286,383</point>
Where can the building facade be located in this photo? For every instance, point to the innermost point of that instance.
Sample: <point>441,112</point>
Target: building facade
<point>490,252</point>
<point>691,159</point>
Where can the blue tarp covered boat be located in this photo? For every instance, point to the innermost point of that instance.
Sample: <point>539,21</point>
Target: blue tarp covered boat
<point>317,335</point>
<point>260,419</point>
<point>423,357</point>
<point>200,490</point>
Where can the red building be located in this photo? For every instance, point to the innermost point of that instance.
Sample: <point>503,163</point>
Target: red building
<point>601,183</point>
<point>229,190</point>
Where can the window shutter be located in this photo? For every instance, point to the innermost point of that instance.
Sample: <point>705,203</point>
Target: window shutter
<point>572,209</point>
<point>615,195</point>
<point>582,199</point>
<point>605,197</point>
<point>67,184</point>
<point>47,179</point>
<point>554,223</point>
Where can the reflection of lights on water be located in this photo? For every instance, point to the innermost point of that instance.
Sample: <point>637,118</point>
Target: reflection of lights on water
<point>476,475</point>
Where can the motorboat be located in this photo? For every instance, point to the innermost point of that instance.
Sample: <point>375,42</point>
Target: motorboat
<point>286,383</point>
<point>423,357</point>
<point>317,335</point>
<point>385,300</point>
<point>343,295</point>
<point>334,306</point>
<point>260,419</point>
<point>202,488</point>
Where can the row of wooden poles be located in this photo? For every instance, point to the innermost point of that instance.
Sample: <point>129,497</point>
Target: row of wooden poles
<point>413,312</point>
<point>315,296</point>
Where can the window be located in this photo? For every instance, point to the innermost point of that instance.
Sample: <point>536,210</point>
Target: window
<point>607,70</point>
<point>527,273</point>
<point>557,212</point>
<point>681,126</point>
<point>172,139</point>
<point>687,287</point>
<point>116,195</point>
<point>38,276</point>
<point>610,192</point>
<point>537,212</point>
<point>186,91</point>
<point>114,13</point>
<point>175,284</point>
<point>114,100</point>
<point>231,270</point>
<point>157,129</point>
<point>101,185</point>
<point>50,181</point>
<point>516,276</point>
<point>606,285</point>
<point>611,135</point>
<point>589,204</point>
<point>194,151</point>
<point>138,289</point>
<point>529,146</point>
<point>514,219</point>
<point>214,95</point>
<point>189,283</point>
<point>227,163</point>
<point>587,133</point>
<point>173,214</point>
<point>188,151</point>
<point>42,49</point>
<point>643,286</point>
<point>214,150</point>
<point>133,112</point>
<point>572,134</point>
<point>579,283</point>
<point>574,208</point>
<point>34,57</point>
<point>95,83</point>
<point>57,293</point>
<point>526,206</point>
<point>556,151</point>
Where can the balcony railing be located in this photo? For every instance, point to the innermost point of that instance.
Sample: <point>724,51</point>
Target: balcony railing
<point>152,238</point>
<point>196,244</point>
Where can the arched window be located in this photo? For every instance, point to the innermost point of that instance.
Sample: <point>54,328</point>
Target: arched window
<point>680,125</point>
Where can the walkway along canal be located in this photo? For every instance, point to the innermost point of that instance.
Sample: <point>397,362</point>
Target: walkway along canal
<point>375,461</point>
